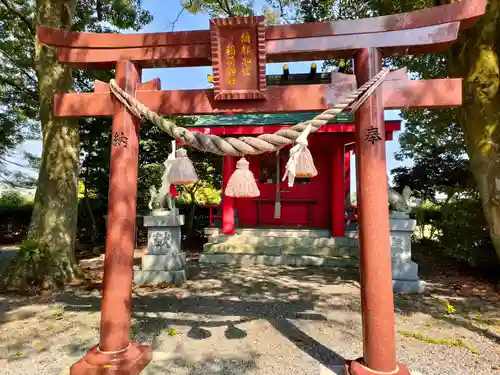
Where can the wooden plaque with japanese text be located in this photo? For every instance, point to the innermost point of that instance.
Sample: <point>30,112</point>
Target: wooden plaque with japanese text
<point>238,58</point>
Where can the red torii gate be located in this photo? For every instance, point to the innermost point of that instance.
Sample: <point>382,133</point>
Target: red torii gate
<point>241,87</point>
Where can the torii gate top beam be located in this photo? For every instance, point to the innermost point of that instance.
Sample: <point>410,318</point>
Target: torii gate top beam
<point>424,31</point>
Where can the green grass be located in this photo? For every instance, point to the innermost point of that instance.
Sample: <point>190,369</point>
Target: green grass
<point>451,343</point>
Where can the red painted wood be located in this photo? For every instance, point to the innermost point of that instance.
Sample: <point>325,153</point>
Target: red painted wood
<point>337,187</point>
<point>428,39</point>
<point>157,57</point>
<point>347,176</point>
<point>392,125</point>
<point>151,85</point>
<point>211,215</point>
<point>229,167</point>
<point>435,93</point>
<point>379,349</point>
<point>120,236</point>
<point>464,11</point>
<point>192,48</point>
<point>64,38</point>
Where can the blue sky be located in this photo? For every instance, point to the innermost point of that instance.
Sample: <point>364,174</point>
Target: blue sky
<point>195,78</point>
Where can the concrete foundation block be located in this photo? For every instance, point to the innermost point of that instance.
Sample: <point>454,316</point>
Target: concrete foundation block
<point>164,240</point>
<point>162,221</point>
<point>241,259</point>
<point>305,260</point>
<point>272,260</point>
<point>215,258</point>
<point>342,262</point>
<point>405,286</point>
<point>142,277</point>
<point>164,233</point>
<point>165,262</point>
<point>212,234</point>
<point>404,270</point>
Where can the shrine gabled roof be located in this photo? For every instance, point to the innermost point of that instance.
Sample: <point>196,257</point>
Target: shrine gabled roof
<point>263,119</point>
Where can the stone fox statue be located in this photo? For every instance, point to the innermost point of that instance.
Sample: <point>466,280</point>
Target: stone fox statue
<point>400,202</point>
<point>167,191</point>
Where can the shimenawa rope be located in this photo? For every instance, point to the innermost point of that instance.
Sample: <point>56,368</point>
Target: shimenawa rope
<point>248,145</point>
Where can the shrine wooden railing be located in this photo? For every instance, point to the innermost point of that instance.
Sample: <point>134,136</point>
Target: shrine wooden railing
<point>211,215</point>
<point>351,213</point>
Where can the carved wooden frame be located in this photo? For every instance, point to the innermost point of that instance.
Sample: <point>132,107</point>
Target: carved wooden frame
<point>257,22</point>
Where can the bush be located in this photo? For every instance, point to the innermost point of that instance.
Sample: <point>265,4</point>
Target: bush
<point>464,235</point>
<point>428,216</point>
<point>15,215</point>
<point>12,199</point>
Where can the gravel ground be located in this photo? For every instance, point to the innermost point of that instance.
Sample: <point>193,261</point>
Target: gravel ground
<point>257,321</point>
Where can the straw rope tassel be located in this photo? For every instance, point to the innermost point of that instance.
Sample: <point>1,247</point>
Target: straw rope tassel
<point>300,163</point>
<point>182,170</point>
<point>242,183</point>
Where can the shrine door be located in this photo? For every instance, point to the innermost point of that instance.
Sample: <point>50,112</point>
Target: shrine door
<point>305,205</point>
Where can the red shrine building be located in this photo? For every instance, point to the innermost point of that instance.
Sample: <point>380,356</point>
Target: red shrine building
<point>319,202</point>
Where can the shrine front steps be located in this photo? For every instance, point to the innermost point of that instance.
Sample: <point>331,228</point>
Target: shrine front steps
<point>301,247</point>
<point>289,247</point>
<point>281,232</point>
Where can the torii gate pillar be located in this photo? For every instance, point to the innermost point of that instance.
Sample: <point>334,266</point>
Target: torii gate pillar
<point>115,352</point>
<point>379,342</point>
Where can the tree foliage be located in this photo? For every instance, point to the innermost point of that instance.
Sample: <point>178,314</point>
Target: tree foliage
<point>32,77</point>
<point>18,85</point>
<point>471,129</point>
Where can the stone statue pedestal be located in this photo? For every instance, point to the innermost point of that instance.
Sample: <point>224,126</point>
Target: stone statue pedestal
<point>404,271</point>
<point>164,261</point>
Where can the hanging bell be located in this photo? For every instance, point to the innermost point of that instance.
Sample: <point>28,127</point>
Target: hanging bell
<point>182,171</point>
<point>242,183</point>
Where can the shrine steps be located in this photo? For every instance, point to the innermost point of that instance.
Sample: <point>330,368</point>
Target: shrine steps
<point>290,247</point>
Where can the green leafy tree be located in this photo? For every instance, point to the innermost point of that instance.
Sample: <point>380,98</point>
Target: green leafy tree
<point>12,199</point>
<point>435,170</point>
<point>18,87</point>
<point>276,11</point>
<point>34,67</point>
<point>475,125</point>
<point>230,8</point>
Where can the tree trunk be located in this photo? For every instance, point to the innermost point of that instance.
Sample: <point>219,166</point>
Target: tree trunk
<point>476,58</point>
<point>192,211</point>
<point>48,260</point>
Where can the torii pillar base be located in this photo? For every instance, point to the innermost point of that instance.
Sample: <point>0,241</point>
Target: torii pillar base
<point>129,362</point>
<point>358,367</point>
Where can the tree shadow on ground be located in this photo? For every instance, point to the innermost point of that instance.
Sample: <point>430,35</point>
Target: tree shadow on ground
<point>206,364</point>
<point>237,298</point>
<point>228,297</point>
